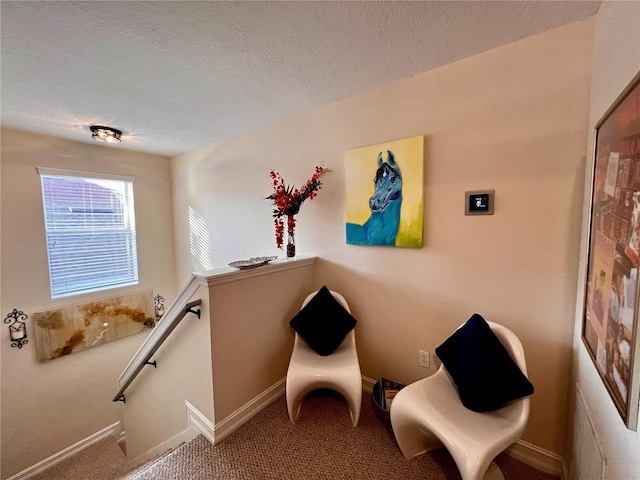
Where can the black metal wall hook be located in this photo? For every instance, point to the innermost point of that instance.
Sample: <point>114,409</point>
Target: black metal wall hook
<point>18,327</point>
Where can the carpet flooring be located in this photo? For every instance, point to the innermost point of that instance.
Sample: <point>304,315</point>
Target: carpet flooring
<point>104,460</point>
<point>322,445</point>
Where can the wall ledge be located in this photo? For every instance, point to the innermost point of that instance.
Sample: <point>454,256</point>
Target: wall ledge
<point>210,278</point>
<point>219,276</point>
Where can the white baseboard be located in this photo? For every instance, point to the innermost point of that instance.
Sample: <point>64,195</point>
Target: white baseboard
<point>526,452</point>
<point>185,436</point>
<point>121,439</point>
<point>114,430</point>
<point>195,422</point>
<point>367,384</point>
<point>537,457</point>
<point>238,418</point>
<point>198,422</point>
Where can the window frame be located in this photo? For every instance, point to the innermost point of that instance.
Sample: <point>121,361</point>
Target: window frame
<point>129,226</point>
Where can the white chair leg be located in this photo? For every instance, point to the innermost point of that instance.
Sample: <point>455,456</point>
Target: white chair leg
<point>293,412</point>
<point>294,402</point>
<point>412,442</point>
<point>474,466</point>
<point>493,472</point>
<point>355,404</point>
<point>411,439</point>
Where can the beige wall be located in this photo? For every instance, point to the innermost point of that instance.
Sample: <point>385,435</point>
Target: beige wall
<point>616,62</point>
<point>514,120</point>
<point>155,411</point>
<point>251,341</point>
<point>237,350</point>
<point>47,407</point>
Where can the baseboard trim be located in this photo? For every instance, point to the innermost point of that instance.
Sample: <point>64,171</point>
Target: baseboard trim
<point>198,422</point>
<point>367,384</point>
<point>185,436</point>
<point>238,418</point>
<point>537,457</point>
<point>114,430</point>
<point>121,439</point>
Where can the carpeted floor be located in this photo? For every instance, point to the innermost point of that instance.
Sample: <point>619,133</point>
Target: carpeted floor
<point>322,445</point>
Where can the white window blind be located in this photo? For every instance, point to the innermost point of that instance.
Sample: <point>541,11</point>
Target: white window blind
<point>91,231</point>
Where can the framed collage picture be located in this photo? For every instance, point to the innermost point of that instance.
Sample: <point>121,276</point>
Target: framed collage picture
<point>610,319</point>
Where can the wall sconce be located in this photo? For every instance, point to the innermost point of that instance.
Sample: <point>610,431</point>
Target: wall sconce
<point>17,329</point>
<point>105,134</point>
<point>159,302</point>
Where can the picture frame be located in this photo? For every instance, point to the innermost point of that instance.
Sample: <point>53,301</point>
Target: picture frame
<point>384,197</point>
<point>610,330</point>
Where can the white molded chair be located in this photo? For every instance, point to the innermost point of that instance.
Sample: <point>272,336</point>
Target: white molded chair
<point>428,414</point>
<point>339,371</point>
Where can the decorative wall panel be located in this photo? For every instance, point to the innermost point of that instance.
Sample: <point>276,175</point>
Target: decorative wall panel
<point>77,327</point>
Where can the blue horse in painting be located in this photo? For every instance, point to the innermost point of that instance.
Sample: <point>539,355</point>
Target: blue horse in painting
<point>382,226</point>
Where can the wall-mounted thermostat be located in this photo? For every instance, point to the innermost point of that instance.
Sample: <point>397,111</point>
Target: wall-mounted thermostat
<point>479,202</point>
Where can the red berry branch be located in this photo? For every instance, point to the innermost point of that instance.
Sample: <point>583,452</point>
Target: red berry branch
<point>287,200</point>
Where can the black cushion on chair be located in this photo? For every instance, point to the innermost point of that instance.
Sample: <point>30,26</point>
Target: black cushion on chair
<point>482,370</point>
<point>323,323</point>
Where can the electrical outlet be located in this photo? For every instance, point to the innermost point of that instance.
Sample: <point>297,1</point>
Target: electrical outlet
<point>423,358</point>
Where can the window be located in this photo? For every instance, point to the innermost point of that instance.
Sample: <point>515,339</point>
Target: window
<point>91,231</point>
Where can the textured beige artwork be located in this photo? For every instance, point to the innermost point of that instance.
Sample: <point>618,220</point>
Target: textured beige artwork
<point>74,328</point>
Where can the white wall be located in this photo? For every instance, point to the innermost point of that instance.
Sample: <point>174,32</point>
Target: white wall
<point>47,407</point>
<point>238,349</point>
<point>513,119</point>
<point>155,411</point>
<point>616,62</point>
<point>251,340</point>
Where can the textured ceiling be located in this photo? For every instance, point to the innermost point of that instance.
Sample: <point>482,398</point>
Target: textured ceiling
<point>175,76</point>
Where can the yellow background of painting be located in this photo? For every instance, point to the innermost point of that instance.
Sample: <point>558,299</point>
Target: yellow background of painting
<point>360,169</point>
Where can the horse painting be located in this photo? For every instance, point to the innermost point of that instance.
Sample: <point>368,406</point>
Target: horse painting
<point>382,226</point>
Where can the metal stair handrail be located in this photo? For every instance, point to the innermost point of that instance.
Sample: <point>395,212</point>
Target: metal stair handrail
<point>182,306</point>
<point>174,314</point>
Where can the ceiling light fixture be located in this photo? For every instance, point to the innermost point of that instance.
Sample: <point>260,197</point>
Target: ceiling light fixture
<point>105,134</point>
